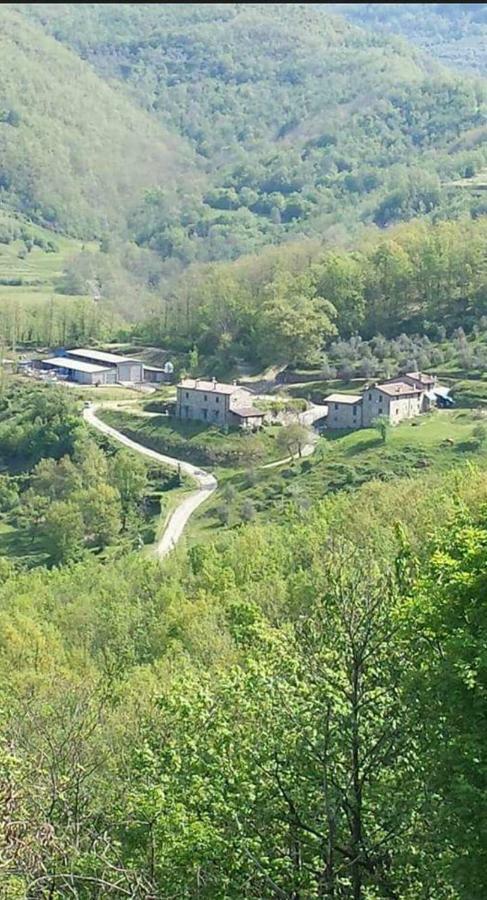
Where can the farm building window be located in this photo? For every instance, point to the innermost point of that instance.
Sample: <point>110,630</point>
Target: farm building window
<point>336,405</point>
<point>187,396</point>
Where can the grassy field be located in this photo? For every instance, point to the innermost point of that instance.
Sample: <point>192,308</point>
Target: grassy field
<point>17,544</point>
<point>102,394</point>
<point>316,391</point>
<point>437,442</point>
<point>194,441</point>
<point>38,270</point>
<point>30,295</point>
<point>37,266</point>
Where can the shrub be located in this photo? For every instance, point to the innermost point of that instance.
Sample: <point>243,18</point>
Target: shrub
<point>479,434</point>
<point>222,513</point>
<point>229,493</point>
<point>251,478</point>
<point>248,511</point>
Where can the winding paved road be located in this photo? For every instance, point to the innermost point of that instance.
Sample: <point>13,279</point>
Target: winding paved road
<point>207,483</point>
<point>179,517</point>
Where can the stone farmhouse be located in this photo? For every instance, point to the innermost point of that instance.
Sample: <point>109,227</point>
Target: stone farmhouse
<point>216,403</point>
<point>402,397</point>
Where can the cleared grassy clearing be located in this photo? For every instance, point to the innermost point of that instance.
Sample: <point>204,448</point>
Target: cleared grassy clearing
<point>17,544</point>
<point>36,269</point>
<point>438,442</point>
<point>194,441</point>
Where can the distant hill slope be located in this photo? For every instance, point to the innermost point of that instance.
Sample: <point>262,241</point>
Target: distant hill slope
<point>303,123</point>
<point>454,33</point>
<point>74,152</point>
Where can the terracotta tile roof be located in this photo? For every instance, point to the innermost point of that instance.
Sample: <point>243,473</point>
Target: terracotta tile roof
<point>343,398</point>
<point>197,384</point>
<point>247,412</point>
<point>421,377</point>
<point>397,389</point>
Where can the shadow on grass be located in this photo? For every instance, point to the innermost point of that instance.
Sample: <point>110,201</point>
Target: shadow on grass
<point>365,445</point>
<point>331,434</point>
<point>466,447</point>
<point>18,543</point>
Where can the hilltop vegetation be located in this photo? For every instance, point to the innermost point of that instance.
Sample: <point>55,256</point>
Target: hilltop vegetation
<point>76,154</point>
<point>301,122</point>
<point>284,123</point>
<point>287,304</point>
<point>453,33</point>
<point>194,729</point>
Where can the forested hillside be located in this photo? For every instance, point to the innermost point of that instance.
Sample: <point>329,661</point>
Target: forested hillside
<point>453,33</point>
<point>75,154</point>
<point>288,304</point>
<point>299,713</point>
<point>302,123</point>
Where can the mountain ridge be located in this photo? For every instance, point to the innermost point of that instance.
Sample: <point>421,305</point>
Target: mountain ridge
<point>75,153</point>
<point>287,122</point>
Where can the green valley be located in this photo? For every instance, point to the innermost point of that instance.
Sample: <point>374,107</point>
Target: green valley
<point>75,153</point>
<point>266,98</point>
<point>243,451</point>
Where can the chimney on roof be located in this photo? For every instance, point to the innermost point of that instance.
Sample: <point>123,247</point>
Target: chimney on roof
<point>196,382</point>
<point>234,382</point>
<point>213,381</point>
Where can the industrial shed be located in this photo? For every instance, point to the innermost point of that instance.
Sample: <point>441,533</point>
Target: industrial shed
<point>126,369</point>
<point>80,371</point>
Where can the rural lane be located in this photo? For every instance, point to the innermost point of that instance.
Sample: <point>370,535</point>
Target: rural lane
<point>179,517</point>
<point>206,482</point>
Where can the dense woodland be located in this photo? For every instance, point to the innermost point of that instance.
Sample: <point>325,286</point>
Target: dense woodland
<point>454,33</point>
<point>235,125</point>
<point>63,491</point>
<point>292,704</point>
<point>349,645</point>
<point>286,305</point>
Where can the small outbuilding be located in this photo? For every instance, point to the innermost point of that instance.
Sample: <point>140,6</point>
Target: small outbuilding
<point>247,417</point>
<point>344,410</point>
